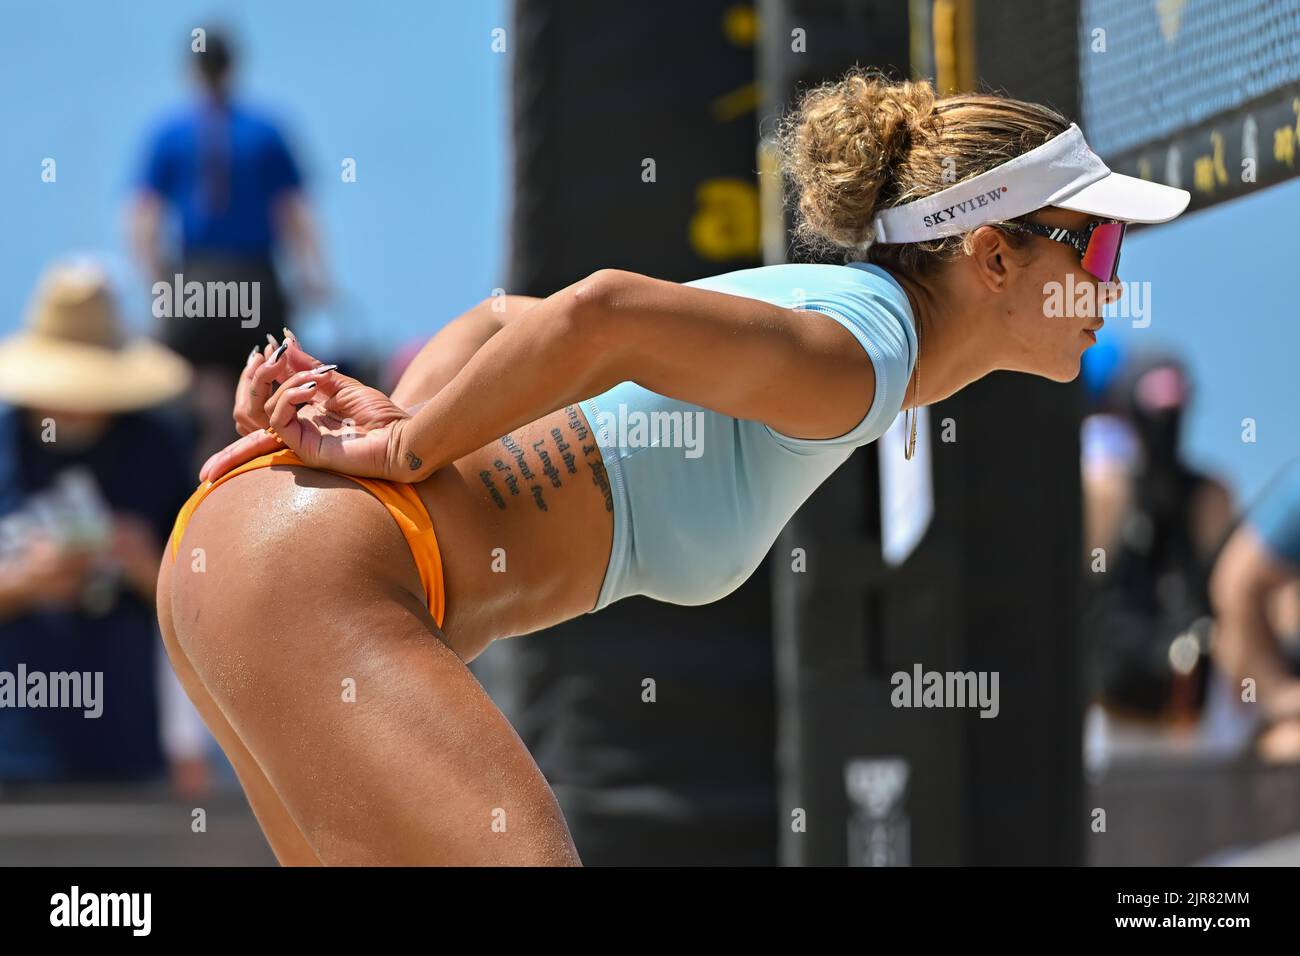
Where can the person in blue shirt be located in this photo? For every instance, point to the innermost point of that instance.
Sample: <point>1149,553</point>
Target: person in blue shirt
<point>224,173</point>
<point>89,481</point>
<point>1256,592</point>
<point>626,435</point>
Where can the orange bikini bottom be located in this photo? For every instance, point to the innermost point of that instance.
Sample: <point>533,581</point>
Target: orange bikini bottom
<point>401,500</point>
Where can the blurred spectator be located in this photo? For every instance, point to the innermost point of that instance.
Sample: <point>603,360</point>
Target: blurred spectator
<point>88,490</point>
<point>1256,591</point>
<point>1108,446</point>
<point>226,173</point>
<point>1159,525</point>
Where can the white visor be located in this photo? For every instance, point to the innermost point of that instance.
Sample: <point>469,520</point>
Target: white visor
<point>1062,172</point>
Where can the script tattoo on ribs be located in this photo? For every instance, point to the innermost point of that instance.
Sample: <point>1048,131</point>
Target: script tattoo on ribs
<point>550,458</point>
<point>512,483</point>
<point>520,463</point>
<point>517,453</point>
<point>548,469</point>
<point>599,477</point>
<point>486,477</point>
<point>591,455</point>
<point>575,423</point>
<point>563,447</point>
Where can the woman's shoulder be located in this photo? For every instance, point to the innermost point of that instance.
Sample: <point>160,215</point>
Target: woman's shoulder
<point>863,297</point>
<point>784,280</point>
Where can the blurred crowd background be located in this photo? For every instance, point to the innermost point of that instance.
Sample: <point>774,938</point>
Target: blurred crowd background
<point>372,173</point>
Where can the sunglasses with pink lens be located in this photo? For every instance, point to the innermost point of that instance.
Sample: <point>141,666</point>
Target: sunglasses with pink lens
<point>1098,245</point>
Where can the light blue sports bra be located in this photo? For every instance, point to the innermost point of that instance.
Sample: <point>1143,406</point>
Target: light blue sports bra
<point>699,497</point>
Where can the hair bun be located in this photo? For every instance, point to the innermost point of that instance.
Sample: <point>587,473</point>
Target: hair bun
<point>843,147</point>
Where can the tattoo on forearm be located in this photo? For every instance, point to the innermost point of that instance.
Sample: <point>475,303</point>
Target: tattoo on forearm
<point>414,460</point>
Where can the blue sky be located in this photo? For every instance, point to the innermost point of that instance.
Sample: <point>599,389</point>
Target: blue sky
<point>413,91</point>
<point>1223,288</point>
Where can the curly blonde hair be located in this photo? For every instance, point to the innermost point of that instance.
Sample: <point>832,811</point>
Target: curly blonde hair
<point>865,143</point>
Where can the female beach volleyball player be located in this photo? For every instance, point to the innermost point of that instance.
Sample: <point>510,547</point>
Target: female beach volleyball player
<point>323,632</point>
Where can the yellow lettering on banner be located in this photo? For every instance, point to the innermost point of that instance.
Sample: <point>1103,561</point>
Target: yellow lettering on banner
<point>1286,138</point>
<point>1203,174</point>
<point>726,221</point>
<point>1284,146</point>
<point>737,103</point>
<point>740,24</point>
<point>1209,171</point>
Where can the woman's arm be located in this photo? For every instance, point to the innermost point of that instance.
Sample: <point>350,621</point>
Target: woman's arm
<point>455,343</point>
<point>1245,644</point>
<point>801,373</point>
<point>436,363</point>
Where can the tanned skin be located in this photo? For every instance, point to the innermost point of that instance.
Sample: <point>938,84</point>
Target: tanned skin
<point>294,614</point>
<point>421,768</point>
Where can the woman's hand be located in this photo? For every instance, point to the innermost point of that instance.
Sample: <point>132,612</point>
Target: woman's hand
<point>331,422</point>
<point>262,371</point>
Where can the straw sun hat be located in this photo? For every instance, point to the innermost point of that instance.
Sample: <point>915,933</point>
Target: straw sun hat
<point>74,355</point>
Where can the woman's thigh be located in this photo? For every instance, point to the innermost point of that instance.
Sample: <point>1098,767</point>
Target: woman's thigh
<point>313,640</point>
